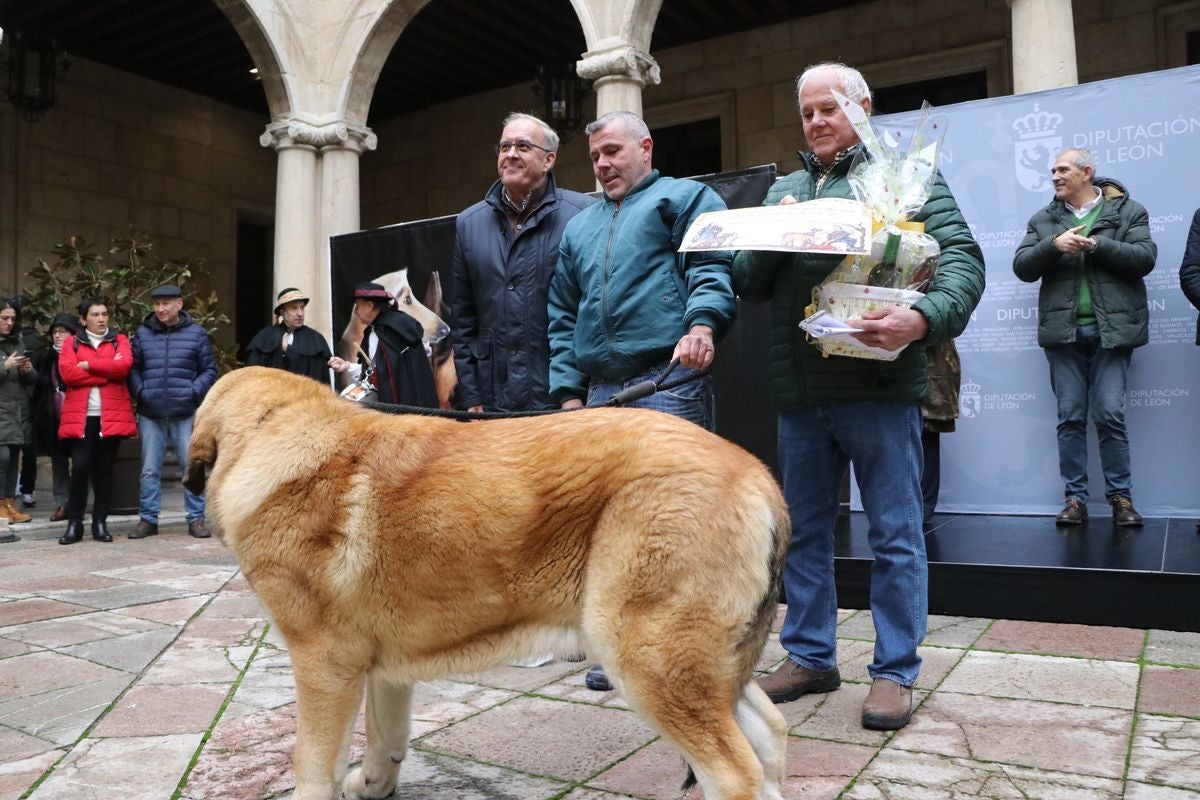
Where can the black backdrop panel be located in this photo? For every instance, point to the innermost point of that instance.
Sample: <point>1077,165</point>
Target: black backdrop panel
<point>744,413</point>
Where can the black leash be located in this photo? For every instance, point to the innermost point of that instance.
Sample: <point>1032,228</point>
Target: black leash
<point>621,398</point>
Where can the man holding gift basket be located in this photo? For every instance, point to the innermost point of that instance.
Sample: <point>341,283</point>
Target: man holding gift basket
<point>861,403</point>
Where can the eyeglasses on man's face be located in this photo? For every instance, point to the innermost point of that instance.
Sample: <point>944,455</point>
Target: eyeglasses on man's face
<point>524,147</point>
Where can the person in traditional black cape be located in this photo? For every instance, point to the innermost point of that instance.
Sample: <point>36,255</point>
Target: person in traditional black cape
<point>290,344</point>
<point>393,341</point>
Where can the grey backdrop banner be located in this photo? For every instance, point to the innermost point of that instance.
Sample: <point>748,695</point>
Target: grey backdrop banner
<point>1145,133</point>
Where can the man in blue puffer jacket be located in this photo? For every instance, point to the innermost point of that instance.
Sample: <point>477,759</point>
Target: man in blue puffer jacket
<point>173,368</point>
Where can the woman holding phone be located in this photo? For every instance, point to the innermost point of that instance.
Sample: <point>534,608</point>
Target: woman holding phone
<point>17,380</point>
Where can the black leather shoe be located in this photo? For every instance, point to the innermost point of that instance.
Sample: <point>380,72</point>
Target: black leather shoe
<point>1124,514</point>
<point>100,530</point>
<point>74,532</point>
<point>1073,513</point>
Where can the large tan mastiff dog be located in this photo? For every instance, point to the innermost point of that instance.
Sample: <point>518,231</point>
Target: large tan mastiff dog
<point>391,549</point>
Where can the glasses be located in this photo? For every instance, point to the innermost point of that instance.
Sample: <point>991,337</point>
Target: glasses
<point>524,147</point>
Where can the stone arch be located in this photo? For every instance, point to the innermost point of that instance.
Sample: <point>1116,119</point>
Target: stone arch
<point>607,23</point>
<point>263,51</point>
<point>377,46</point>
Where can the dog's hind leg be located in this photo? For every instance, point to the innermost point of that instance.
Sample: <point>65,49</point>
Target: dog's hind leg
<point>695,709</point>
<point>389,707</point>
<point>766,729</point>
<point>326,706</point>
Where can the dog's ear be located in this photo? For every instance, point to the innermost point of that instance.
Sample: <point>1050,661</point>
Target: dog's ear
<point>197,475</point>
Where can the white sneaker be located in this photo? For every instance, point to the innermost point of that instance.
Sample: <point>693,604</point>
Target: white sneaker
<point>534,661</point>
<point>28,501</point>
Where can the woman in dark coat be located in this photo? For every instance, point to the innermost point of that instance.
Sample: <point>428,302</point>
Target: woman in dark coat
<point>16,423</point>
<point>48,397</point>
<point>393,341</point>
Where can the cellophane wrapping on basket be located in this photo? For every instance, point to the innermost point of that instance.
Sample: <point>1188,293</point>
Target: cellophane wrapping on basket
<point>894,181</point>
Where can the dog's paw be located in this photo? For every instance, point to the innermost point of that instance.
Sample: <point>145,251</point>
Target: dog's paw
<point>359,786</point>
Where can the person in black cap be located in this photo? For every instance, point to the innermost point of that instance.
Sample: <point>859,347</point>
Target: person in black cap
<point>393,344</point>
<point>173,368</point>
<point>289,344</point>
<point>48,396</point>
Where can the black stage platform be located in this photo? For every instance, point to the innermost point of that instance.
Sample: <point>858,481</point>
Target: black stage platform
<point>1017,567</point>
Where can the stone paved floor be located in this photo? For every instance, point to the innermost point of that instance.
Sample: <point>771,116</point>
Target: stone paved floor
<point>146,669</point>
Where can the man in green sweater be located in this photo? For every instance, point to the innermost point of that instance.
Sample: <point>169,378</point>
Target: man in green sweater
<point>838,410</point>
<point>1090,248</point>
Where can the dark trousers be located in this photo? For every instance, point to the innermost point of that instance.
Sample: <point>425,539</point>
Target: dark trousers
<point>931,473</point>
<point>92,456</point>
<point>28,469</point>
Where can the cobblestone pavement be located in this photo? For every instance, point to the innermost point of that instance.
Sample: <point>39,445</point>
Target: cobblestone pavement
<point>146,669</point>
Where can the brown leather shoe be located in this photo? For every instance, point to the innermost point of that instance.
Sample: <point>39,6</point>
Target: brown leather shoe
<point>9,509</point>
<point>792,680</point>
<point>197,529</point>
<point>1124,514</point>
<point>144,529</point>
<point>1073,513</point>
<point>59,514</point>
<point>888,706</point>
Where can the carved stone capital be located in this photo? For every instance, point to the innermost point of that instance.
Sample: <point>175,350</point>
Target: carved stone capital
<point>626,62</point>
<point>297,133</point>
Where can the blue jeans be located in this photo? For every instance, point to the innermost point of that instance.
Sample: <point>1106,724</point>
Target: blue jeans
<point>816,444</point>
<point>693,401</point>
<point>154,434</point>
<point>1087,377</point>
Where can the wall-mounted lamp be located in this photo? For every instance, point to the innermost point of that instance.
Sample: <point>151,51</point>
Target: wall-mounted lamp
<point>34,66</point>
<point>562,92</point>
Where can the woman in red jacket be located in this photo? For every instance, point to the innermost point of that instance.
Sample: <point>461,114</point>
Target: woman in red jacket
<point>96,415</point>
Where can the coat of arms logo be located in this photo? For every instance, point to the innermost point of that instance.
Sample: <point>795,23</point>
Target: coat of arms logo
<point>1035,147</point>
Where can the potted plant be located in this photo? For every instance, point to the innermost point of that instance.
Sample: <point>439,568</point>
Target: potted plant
<point>125,274</point>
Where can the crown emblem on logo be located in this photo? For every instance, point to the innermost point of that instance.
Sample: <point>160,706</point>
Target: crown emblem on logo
<point>1037,123</point>
<point>971,387</point>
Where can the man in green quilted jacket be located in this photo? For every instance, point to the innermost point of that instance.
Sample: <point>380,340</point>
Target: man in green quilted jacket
<point>837,410</point>
<point>1090,248</point>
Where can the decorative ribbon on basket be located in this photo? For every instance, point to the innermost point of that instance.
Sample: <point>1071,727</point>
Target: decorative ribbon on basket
<point>894,182</point>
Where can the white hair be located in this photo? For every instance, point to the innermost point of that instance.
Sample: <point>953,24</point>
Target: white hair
<point>851,81</point>
<point>548,134</point>
<point>1083,158</point>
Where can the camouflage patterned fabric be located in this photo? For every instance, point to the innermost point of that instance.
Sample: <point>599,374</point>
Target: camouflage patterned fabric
<point>945,374</point>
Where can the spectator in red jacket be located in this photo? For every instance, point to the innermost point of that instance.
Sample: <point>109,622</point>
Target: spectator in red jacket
<point>97,413</point>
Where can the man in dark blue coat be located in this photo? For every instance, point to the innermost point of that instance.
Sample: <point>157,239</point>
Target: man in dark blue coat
<point>504,256</point>
<point>173,368</point>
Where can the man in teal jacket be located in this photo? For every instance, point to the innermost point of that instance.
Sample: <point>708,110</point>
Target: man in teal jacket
<point>623,302</point>
<point>1090,248</point>
<point>837,410</point>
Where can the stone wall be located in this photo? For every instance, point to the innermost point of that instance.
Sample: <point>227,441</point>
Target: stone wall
<point>440,160</point>
<point>120,152</point>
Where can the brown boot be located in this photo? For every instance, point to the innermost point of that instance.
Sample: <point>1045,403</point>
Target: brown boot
<point>8,508</point>
<point>888,706</point>
<point>792,680</point>
<point>59,514</point>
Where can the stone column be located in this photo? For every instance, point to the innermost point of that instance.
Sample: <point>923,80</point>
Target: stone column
<point>339,204</point>
<point>1043,45</point>
<point>316,196</point>
<point>296,262</point>
<point>618,75</point>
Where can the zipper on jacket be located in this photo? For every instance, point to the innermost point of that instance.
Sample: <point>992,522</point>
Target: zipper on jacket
<point>612,225</point>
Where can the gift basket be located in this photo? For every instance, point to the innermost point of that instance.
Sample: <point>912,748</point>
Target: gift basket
<point>893,181</point>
